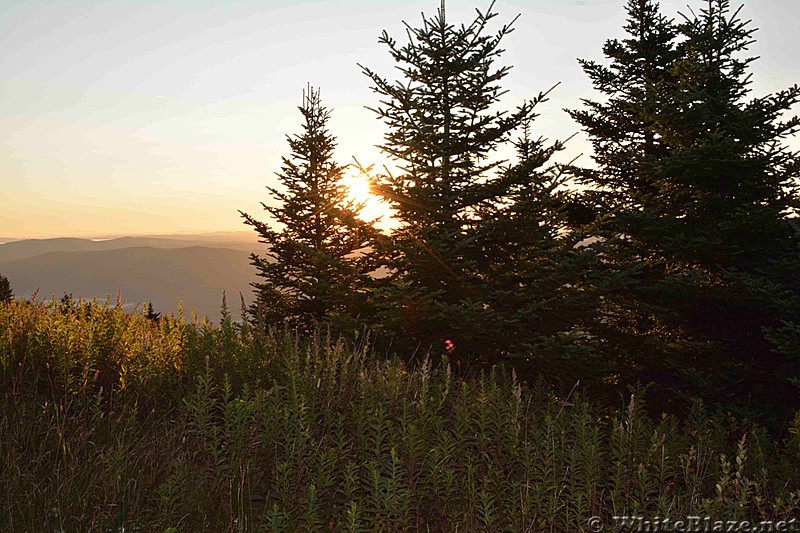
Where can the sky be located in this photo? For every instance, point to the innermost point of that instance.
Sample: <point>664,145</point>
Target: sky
<point>139,117</point>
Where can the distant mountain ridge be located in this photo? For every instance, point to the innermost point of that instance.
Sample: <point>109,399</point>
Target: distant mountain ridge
<point>12,251</point>
<point>160,270</point>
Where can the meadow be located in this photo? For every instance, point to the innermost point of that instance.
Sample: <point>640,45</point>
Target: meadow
<point>115,422</point>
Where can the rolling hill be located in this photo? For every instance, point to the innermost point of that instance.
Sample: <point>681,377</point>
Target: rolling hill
<point>11,251</point>
<point>164,272</point>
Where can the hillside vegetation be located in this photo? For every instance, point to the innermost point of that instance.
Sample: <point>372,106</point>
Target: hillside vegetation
<point>113,422</point>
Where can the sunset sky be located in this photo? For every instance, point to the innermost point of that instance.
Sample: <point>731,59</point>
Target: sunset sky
<point>135,117</point>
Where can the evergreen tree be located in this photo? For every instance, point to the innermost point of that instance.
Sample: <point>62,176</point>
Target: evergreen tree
<point>698,187</point>
<point>150,313</point>
<point>637,82</point>
<point>539,274</point>
<point>6,295</point>
<point>313,270</point>
<point>444,131</point>
<point>739,186</point>
<point>67,304</point>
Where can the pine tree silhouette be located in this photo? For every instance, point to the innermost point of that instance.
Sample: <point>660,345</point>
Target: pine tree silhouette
<point>6,294</point>
<point>698,188</point>
<point>313,269</point>
<point>444,132</point>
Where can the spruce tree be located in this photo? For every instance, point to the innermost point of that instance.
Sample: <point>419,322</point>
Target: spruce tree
<point>541,287</point>
<point>637,81</point>
<point>698,188</point>
<point>731,228</point>
<point>150,313</point>
<point>313,270</point>
<point>6,295</point>
<point>444,130</point>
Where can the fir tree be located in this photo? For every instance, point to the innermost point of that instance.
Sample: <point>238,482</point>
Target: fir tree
<point>6,295</point>
<point>444,130</point>
<point>66,304</point>
<point>313,270</point>
<point>539,274</point>
<point>729,227</point>
<point>637,81</point>
<point>150,313</point>
<point>698,187</point>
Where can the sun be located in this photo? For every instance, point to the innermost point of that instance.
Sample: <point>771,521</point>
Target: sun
<point>359,191</point>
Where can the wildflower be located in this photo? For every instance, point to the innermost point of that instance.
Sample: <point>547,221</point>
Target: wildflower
<point>449,346</point>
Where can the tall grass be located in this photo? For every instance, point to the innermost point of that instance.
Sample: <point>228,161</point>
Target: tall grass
<point>113,422</point>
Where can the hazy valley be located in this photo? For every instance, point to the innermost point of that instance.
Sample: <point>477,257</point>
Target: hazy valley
<point>164,270</point>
